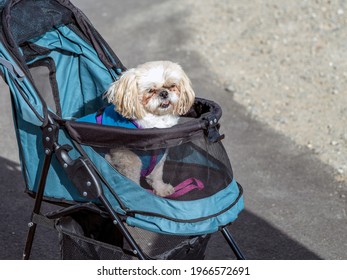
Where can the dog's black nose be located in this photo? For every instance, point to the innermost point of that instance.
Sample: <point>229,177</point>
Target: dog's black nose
<point>163,94</point>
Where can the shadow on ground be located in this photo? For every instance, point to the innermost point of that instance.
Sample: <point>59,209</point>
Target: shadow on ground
<point>258,240</point>
<point>267,243</point>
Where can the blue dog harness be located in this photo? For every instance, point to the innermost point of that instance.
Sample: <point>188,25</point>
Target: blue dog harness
<point>108,116</point>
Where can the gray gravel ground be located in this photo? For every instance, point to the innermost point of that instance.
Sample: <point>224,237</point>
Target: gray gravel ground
<point>284,62</point>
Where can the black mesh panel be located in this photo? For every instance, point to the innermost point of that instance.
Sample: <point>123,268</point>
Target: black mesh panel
<point>80,239</point>
<point>47,14</point>
<point>196,169</point>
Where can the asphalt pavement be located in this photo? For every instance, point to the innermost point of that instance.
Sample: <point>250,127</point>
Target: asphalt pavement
<point>294,207</point>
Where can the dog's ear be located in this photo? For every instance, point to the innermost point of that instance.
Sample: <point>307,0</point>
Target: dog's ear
<point>187,95</point>
<point>124,95</point>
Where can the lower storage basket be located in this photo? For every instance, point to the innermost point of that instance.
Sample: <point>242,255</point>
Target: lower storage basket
<point>93,237</point>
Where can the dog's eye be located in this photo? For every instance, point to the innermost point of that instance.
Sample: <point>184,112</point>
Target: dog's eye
<point>172,87</point>
<point>151,90</point>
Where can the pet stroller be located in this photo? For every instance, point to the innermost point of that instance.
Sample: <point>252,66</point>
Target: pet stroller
<point>57,68</point>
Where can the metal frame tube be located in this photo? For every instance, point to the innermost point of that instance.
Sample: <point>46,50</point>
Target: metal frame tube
<point>234,247</point>
<point>37,206</point>
<point>118,222</point>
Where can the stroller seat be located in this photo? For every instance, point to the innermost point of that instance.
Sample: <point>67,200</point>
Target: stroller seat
<point>57,67</point>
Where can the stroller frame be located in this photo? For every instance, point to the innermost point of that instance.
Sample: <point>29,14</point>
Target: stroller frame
<point>86,188</point>
<point>49,132</point>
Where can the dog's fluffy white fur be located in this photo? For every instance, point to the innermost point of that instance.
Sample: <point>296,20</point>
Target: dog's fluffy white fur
<point>153,94</point>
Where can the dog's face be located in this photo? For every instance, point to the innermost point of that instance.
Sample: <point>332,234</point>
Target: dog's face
<point>158,88</point>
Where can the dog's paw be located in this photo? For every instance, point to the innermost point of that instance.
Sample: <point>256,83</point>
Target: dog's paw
<point>163,190</point>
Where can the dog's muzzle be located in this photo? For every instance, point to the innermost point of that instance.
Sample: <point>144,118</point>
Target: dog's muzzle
<point>164,95</point>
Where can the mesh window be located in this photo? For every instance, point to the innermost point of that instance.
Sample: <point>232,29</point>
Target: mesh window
<point>205,164</point>
<point>195,170</point>
<point>46,14</point>
<point>44,75</point>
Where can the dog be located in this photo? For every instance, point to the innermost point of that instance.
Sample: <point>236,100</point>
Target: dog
<point>152,95</point>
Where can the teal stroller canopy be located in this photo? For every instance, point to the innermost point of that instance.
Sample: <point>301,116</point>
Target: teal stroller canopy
<point>58,67</point>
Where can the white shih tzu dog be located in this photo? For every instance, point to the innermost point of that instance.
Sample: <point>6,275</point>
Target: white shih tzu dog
<point>153,94</point>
